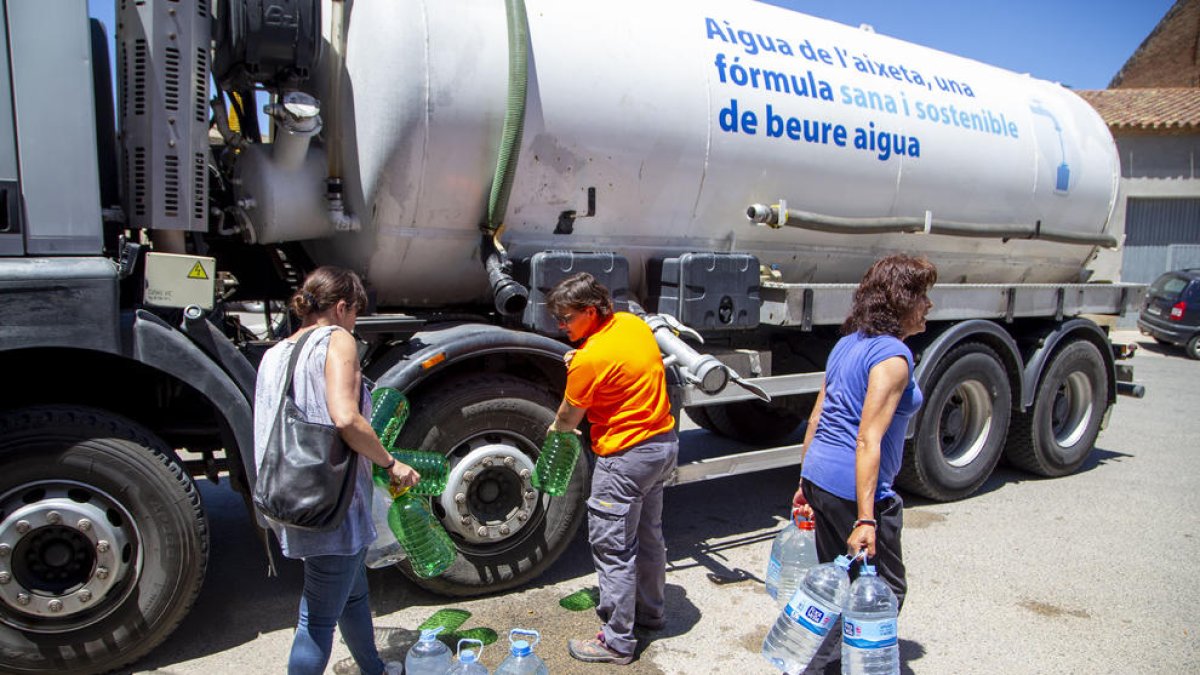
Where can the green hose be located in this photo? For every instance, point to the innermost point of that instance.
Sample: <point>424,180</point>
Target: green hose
<point>514,116</point>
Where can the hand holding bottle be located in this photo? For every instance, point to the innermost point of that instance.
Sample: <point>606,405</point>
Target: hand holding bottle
<point>403,476</point>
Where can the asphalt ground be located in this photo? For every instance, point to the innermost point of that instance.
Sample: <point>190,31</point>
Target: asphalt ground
<point>1090,573</point>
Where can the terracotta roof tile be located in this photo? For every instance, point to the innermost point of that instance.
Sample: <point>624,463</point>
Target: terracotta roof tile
<point>1164,110</point>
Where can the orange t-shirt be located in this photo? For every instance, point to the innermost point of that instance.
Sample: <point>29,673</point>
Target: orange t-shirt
<point>618,376</point>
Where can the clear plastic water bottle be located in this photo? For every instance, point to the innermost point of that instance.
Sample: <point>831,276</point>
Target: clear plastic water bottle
<point>385,551</point>
<point>468,660</point>
<point>429,549</point>
<point>869,638</point>
<point>556,463</point>
<point>521,660</point>
<point>428,656</point>
<point>792,553</point>
<point>808,616</point>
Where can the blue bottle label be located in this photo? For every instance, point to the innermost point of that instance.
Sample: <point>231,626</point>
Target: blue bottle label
<point>811,614</point>
<point>869,634</point>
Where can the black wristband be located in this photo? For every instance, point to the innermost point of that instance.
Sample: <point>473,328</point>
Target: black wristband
<point>865,521</point>
<point>389,466</point>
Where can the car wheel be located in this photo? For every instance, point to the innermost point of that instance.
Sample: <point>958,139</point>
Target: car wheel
<point>105,541</point>
<point>960,427</point>
<point>1192,348</point>
<point>1054,437</point>
<point>491,427</point>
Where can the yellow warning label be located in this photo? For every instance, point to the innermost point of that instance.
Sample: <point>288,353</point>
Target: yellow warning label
<point>197,272</point>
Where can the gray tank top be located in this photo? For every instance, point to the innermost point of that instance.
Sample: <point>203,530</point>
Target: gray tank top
<point>357,530</point>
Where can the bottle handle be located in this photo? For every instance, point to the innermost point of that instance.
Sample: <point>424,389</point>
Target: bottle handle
<point>537,637</point>
<point>796,518</point>
<point>478,650</point>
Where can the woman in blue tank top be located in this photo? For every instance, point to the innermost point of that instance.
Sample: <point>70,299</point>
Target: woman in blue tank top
<point>855,436</point>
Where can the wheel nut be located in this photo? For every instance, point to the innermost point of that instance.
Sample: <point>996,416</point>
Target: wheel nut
<point>465,520</point>
<point>525,474</point>
<point>509,461</point>
<point>487,461</point>
<point>54,517</point>
<point>5,577</point>
<point>522,516</point>
<point>102,546</point>
<point>22,599</point>
<point>482,531</point>
<point>460,497</point>
<point>22,526</point>
<point>530,494</point>
<point>85,595</point>
<point>504,529</point>
<point>101,572</point>
<point>55,605</point>
<point>5,549</point>
<point>468,476</point>
<point>84,524</point>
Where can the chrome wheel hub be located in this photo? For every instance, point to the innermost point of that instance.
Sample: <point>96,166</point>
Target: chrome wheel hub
<point>489,495</point>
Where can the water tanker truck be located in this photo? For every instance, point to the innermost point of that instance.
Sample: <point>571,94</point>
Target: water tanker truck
<point>729,169</point>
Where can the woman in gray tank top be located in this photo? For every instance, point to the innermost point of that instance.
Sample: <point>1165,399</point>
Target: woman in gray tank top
<point>328,388</point>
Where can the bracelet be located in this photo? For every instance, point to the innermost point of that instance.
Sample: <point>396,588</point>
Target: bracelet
<point>389,466</point>
<point>865,521</point>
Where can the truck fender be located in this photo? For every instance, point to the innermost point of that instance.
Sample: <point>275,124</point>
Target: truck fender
<point>1049,343</point>
<point>439,348</point>
<point>158,345</point>
<point>995,337</point>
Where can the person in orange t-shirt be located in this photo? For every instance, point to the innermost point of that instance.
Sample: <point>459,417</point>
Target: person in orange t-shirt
<point>617,379</point>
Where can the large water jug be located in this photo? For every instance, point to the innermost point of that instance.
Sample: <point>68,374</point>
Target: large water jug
<point>792,553</point>
<point>810,613</point>
<point>521,660</point>
<point>556,462</point>
<point>428,656</point>
<point>869,638</point>
<point>430,550</point>
<point>468,659</point>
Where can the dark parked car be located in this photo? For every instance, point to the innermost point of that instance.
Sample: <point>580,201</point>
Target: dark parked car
<point>1172,311</point>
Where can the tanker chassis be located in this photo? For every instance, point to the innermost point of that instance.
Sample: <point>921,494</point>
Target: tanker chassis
<point>728,169</point>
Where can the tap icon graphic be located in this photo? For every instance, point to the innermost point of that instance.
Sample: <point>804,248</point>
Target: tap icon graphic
<point>1062,180</point>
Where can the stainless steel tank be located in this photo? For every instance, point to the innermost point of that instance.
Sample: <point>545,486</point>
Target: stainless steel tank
<point>681,114</point>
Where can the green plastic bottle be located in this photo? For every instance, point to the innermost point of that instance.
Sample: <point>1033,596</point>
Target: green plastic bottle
<point>556,463</point>
<point>432,466</point>
<point>430,550</point>
<point>389,412</point>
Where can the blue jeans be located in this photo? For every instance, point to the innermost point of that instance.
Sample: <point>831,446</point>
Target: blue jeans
<point>335,592</point>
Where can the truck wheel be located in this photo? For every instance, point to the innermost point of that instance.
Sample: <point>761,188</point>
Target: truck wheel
<point>699,415</point>
<point>961,426</point>
<point>492,427</point>
<point>1055,436</point>
<point>103,540</point>
<point>755,422</point>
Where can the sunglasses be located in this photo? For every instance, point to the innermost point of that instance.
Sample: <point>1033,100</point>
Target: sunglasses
<point>564,319</point>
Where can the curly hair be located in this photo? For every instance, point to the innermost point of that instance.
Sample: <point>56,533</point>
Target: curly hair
<point>891,290</point>
<point>324,287</point>
<point>579,291</point>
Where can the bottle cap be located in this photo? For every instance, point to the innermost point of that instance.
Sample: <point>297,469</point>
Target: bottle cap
<point>521,648</point>
<point>430,634</point>
<point>467,656</point>
<point>842,562</point>
<point>867,570</point>
<point>806,525</point>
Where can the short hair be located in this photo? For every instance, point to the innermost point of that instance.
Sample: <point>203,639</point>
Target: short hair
<point>580,291</point>
<point>324,287</point>
<point>889,291</point>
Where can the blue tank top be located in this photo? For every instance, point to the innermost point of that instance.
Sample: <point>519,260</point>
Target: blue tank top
<point>829,462</point>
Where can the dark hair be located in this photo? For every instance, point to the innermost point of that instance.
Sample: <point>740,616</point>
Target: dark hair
<point>579,291</point>
<point>324,287</point>
<point>889,291</point>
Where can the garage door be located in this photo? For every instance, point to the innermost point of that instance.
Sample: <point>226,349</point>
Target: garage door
<point>1160,235</point>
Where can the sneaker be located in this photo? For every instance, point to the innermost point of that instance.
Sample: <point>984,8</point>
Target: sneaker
<point>595,651</point>
<point>393,668</point>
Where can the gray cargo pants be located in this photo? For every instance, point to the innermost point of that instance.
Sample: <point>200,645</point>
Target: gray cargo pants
<point>625,530</point>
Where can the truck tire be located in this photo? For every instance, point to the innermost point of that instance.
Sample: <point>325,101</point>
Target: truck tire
<point>106,538</point>
<point>699,415</point>
<point>961,426</point>
<point>754,422</point>
<point>1055,436</point>
<point>492,427</point>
